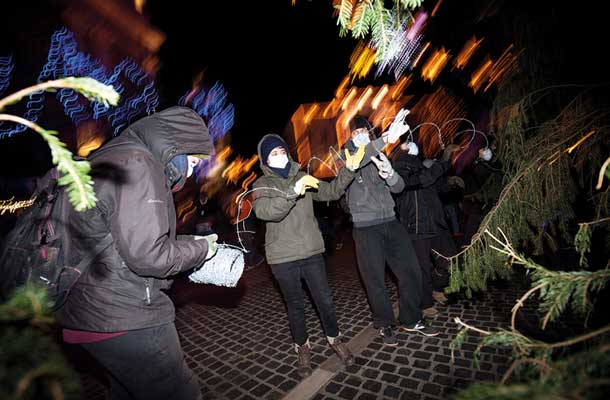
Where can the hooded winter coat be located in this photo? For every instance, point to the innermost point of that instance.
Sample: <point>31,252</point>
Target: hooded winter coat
<point>292,231</point>
<point>122,289</point>
<point>419,207</point>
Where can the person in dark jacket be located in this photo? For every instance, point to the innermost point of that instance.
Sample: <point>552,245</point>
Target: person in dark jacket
<point>283,198</point>
<point>117,311</point>
<point>380,238</point>
<point>421,212</point>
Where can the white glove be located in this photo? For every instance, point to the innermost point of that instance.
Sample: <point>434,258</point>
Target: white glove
<point>398,127</point>
<point>384,166</point>
<point>212,245</point>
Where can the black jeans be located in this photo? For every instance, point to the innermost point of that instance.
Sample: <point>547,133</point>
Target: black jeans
<point>389,242</point>
<point>313,271</point>
<point>435,275</point>
<point>146,364</point>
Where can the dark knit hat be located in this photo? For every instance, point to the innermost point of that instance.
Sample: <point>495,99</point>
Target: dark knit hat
<point>270,143</point>
<point>359,121</point>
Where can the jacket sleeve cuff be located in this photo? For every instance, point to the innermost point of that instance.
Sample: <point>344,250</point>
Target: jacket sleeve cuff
<point>393,180</point>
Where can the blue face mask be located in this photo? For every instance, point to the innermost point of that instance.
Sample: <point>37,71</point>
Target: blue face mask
<point>362,139</point>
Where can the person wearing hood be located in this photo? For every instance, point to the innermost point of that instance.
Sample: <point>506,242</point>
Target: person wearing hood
<point>378,236</point>
<point>118,310</point>
<point>421,212</point>
<point>283,198</point>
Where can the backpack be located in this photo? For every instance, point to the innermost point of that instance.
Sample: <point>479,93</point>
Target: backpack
<point>35,251</point>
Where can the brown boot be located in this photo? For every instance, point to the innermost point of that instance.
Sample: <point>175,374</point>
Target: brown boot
<point>303,359</point>
<point>344,354</point>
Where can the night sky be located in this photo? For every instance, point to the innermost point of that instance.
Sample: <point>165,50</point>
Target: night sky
<point>272,56</point>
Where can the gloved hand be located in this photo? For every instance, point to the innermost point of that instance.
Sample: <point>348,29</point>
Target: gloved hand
<point>305,183</point>
<point>384,166</point>
<point>352,162</point>
<point>212,245</point>
<point>449,150</point>
<point>398,127</point>
<point>456,181</point>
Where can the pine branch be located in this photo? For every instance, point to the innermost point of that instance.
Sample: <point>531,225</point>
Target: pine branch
<point>88,87</point>
<point>557,289</point>
<point>75,173</point>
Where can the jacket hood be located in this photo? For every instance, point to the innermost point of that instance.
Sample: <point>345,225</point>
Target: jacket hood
<point>264,167</point>
<point>175,130</point>
<point>403,159</point>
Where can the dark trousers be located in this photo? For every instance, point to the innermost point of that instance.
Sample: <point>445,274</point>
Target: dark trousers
<point>389,242</point>
<point>313,271</point>
<point>146,364</point>
<point>434,269</point>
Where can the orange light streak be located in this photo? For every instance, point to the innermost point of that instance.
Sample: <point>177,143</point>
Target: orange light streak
<point>380,95</point>
<point>570,149</point>
<point>435,65</point>
<point>365,96</point>
<point>467,51</point>
<point>421,53</point>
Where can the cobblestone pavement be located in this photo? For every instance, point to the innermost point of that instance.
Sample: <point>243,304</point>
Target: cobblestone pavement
<point>237,341</point>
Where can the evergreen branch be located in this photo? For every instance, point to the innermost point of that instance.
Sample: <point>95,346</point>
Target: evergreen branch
<point>75,173</point>
<point>546,369</point>
<point>605,169</point>
<point>88,87</point>
<point>361,19</point>
<point>557,289</point>
<point>412,4</point>
<point>345,13</point>
<point>46,369</point>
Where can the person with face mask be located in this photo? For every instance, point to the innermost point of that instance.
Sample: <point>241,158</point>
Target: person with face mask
<point>421,212</point>
<point>283,198</point>
<point>118,310</point>
<point>378,236</point>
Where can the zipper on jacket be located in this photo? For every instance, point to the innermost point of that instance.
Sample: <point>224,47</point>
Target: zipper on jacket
<point>416,214</point>
<point>147,284</point>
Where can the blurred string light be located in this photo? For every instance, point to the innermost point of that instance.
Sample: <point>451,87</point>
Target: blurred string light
<point>466,53</point>
<point>11,205</point>
<point>137,90</point>
<point>435,65</point>
<point>213,106</point>
<point>6,68</point>
<point>219,115</point>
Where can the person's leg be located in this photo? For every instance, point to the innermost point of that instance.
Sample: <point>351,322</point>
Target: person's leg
<point>443,244</point>
<point>147,364</point>
<point>402,260</point>
<point>371,264</point>
<point>314,273</point>
<point>288,276</point>
<point>422,250</point>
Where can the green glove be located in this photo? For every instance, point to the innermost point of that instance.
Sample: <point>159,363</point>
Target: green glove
<point>212,245</point>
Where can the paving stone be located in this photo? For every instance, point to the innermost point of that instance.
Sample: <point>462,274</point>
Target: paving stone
<point>372,386</point>
<point>348,393</point>
<point>390,378</point>
<point>392,392</point>
<point>245,351</point>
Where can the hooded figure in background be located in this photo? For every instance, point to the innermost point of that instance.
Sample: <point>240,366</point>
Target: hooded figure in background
<point>421,212</point>
<point>283,198</point>
<point>117,310</point>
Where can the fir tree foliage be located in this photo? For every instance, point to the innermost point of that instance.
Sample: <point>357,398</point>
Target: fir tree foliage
<point>361,17</point>
<point>32,365</point>
<point>75,174</point>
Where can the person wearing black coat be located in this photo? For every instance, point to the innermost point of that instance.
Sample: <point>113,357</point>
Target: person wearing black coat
<point>118,310</point>
<point>421,212</point>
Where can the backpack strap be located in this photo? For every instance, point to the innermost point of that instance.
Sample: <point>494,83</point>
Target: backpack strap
<point>101,246</point>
